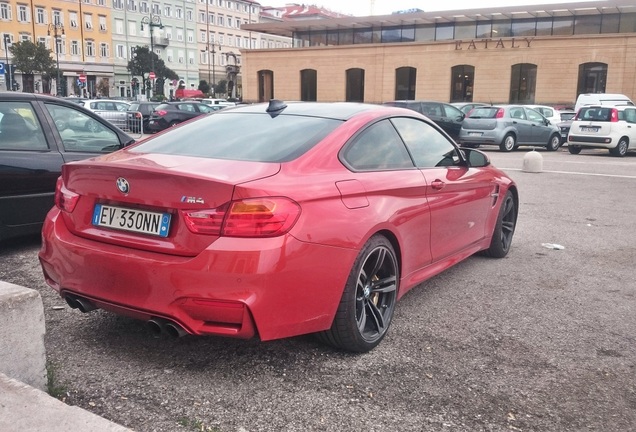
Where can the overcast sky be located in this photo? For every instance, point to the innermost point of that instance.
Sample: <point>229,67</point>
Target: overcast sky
<point>382,7</point>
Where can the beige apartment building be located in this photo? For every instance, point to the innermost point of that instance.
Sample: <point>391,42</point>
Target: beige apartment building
<point>545,54</point>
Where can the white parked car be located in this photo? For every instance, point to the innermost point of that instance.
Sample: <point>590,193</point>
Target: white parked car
<point>548,112</point>
<point>606,99</point>
<point>597,126</point>
<point>221,102</point>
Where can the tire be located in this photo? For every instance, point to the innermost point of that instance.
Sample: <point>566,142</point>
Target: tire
<point>508,144</point>
<point>504,228</point>
<point>574,149</point>
<point>621,148</point>
<point>554,143</point>
<point>368,301</point>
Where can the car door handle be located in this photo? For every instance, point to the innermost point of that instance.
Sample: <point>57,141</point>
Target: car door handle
<point>437,184</point>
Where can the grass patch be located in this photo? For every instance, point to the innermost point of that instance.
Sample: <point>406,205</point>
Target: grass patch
<point>197,425</point>
<point>53,387</point>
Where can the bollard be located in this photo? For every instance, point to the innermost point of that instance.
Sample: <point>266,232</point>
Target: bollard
<point>532,162</point>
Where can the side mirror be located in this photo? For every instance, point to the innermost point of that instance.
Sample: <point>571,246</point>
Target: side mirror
<point>474,157</point>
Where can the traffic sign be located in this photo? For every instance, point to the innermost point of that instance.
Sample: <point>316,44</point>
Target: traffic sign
<point>1,68</point>
<point>82,78</point>
<point>152,75</point>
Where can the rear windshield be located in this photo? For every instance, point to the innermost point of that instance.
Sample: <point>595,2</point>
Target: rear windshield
<point>595,114</point>
<point>256,137</point>
<point>133,107</point>
<point>483,112</point>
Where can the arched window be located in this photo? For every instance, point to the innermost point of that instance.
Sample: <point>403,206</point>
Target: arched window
<point>523,83</point>
<point>355,85</point>
<point>405,79</point>
<point>308,85</point>
<point>462,79</point>
<point>592,78</point>
<point>265,85</point>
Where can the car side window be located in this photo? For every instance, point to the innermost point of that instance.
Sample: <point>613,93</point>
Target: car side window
<point>20,128</point>
<point>186,107</point>
<point>378,147</point>
<point>80,132</point>
<point>630,115</point>
<point>534,116</point>
<point>517,112</point>
<point>453,112</point>
<point>432,109</point>
<point>204,108</point>
<point>428,147</point>
<point>121,106</point>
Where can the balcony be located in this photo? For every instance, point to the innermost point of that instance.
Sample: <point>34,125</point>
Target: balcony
<point>160,41</point>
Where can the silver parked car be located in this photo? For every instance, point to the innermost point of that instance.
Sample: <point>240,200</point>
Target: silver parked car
<point>115,111</point>
<point>508,126</point>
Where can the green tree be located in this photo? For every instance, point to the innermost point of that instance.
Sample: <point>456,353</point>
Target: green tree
<point>204,86</point>
<point>221,88</point>
<point>143,61</point>
<point>30,58</point>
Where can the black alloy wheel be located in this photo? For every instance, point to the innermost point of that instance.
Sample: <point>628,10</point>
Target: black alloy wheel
<point>504,228</point>
<point>368,301</point>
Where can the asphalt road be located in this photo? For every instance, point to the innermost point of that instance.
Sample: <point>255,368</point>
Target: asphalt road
<point>543,340</point>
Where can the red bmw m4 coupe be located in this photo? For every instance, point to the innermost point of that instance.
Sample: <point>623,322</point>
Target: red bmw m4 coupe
<point>274,220</point>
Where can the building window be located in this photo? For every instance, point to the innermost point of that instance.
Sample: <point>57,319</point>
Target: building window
<point>42,41</point>
<point>72,16</point>
<point>202,17</point>
<point>90,48</point>
<point>189,15</point>
<point>121,51</point>
<point>462,78</point>
<point>355,85</point>
<point>5,11</point>
<point>88,21</point>
<point>167,10</point>
<point>102,23</point>
<point>57,17</point>
<point>118,4</point>
<point>132,5</point>
<point>40,16</point>
<point>143,7</point>
<point>405,78</point>
<point>179,12</point>
<point>156,9</point>
<point>308,85</point>
<point>75,48</point>
<point>23,13</point>
<point>103,50</point>
<point>592,78</point>
<point>523,83</point>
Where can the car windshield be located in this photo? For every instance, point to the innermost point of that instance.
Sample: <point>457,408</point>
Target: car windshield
<point>483,112</point>
<point>243,136</point>
<point>567,116</point>
<point>595,114</point>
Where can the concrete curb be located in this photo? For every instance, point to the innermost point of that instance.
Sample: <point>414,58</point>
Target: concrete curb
<point>27,409</point>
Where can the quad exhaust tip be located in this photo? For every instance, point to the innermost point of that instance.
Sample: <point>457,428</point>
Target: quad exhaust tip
<point>161,326</point>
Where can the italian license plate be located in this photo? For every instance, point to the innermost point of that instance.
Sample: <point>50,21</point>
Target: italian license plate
<point>589,129</point>
<point>474,133</point>
<point>140,221</point>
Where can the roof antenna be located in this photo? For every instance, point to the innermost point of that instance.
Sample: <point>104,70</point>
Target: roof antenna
<point>276,106</point>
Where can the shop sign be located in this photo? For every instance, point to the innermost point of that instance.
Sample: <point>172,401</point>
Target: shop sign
<point>490,43</point>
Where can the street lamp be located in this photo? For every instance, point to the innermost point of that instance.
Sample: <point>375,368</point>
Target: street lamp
<point>58,30</point>
<point>213,52</point>
<point>152,21</point>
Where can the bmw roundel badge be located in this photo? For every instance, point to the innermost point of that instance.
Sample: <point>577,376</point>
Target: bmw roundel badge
<point>122,185</point>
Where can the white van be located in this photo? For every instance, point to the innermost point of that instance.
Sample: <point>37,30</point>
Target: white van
<point>601,99</point>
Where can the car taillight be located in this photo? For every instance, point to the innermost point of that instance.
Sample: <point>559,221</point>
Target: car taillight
<point>500,113</point>
<point>65,199</point>
<point>257,217</point>
<point>613,115</point>
<point>161,113</point>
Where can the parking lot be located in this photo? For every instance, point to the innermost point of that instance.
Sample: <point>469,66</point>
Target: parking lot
<point>542,340</point>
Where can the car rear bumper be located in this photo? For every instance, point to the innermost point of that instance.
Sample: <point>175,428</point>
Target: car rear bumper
<point>591,141</point>
<point>236,287</point>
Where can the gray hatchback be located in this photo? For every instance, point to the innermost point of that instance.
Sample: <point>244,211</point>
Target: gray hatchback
<point>508,126</point>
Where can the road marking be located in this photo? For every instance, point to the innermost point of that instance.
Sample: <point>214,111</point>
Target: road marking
<point>576,173</point>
